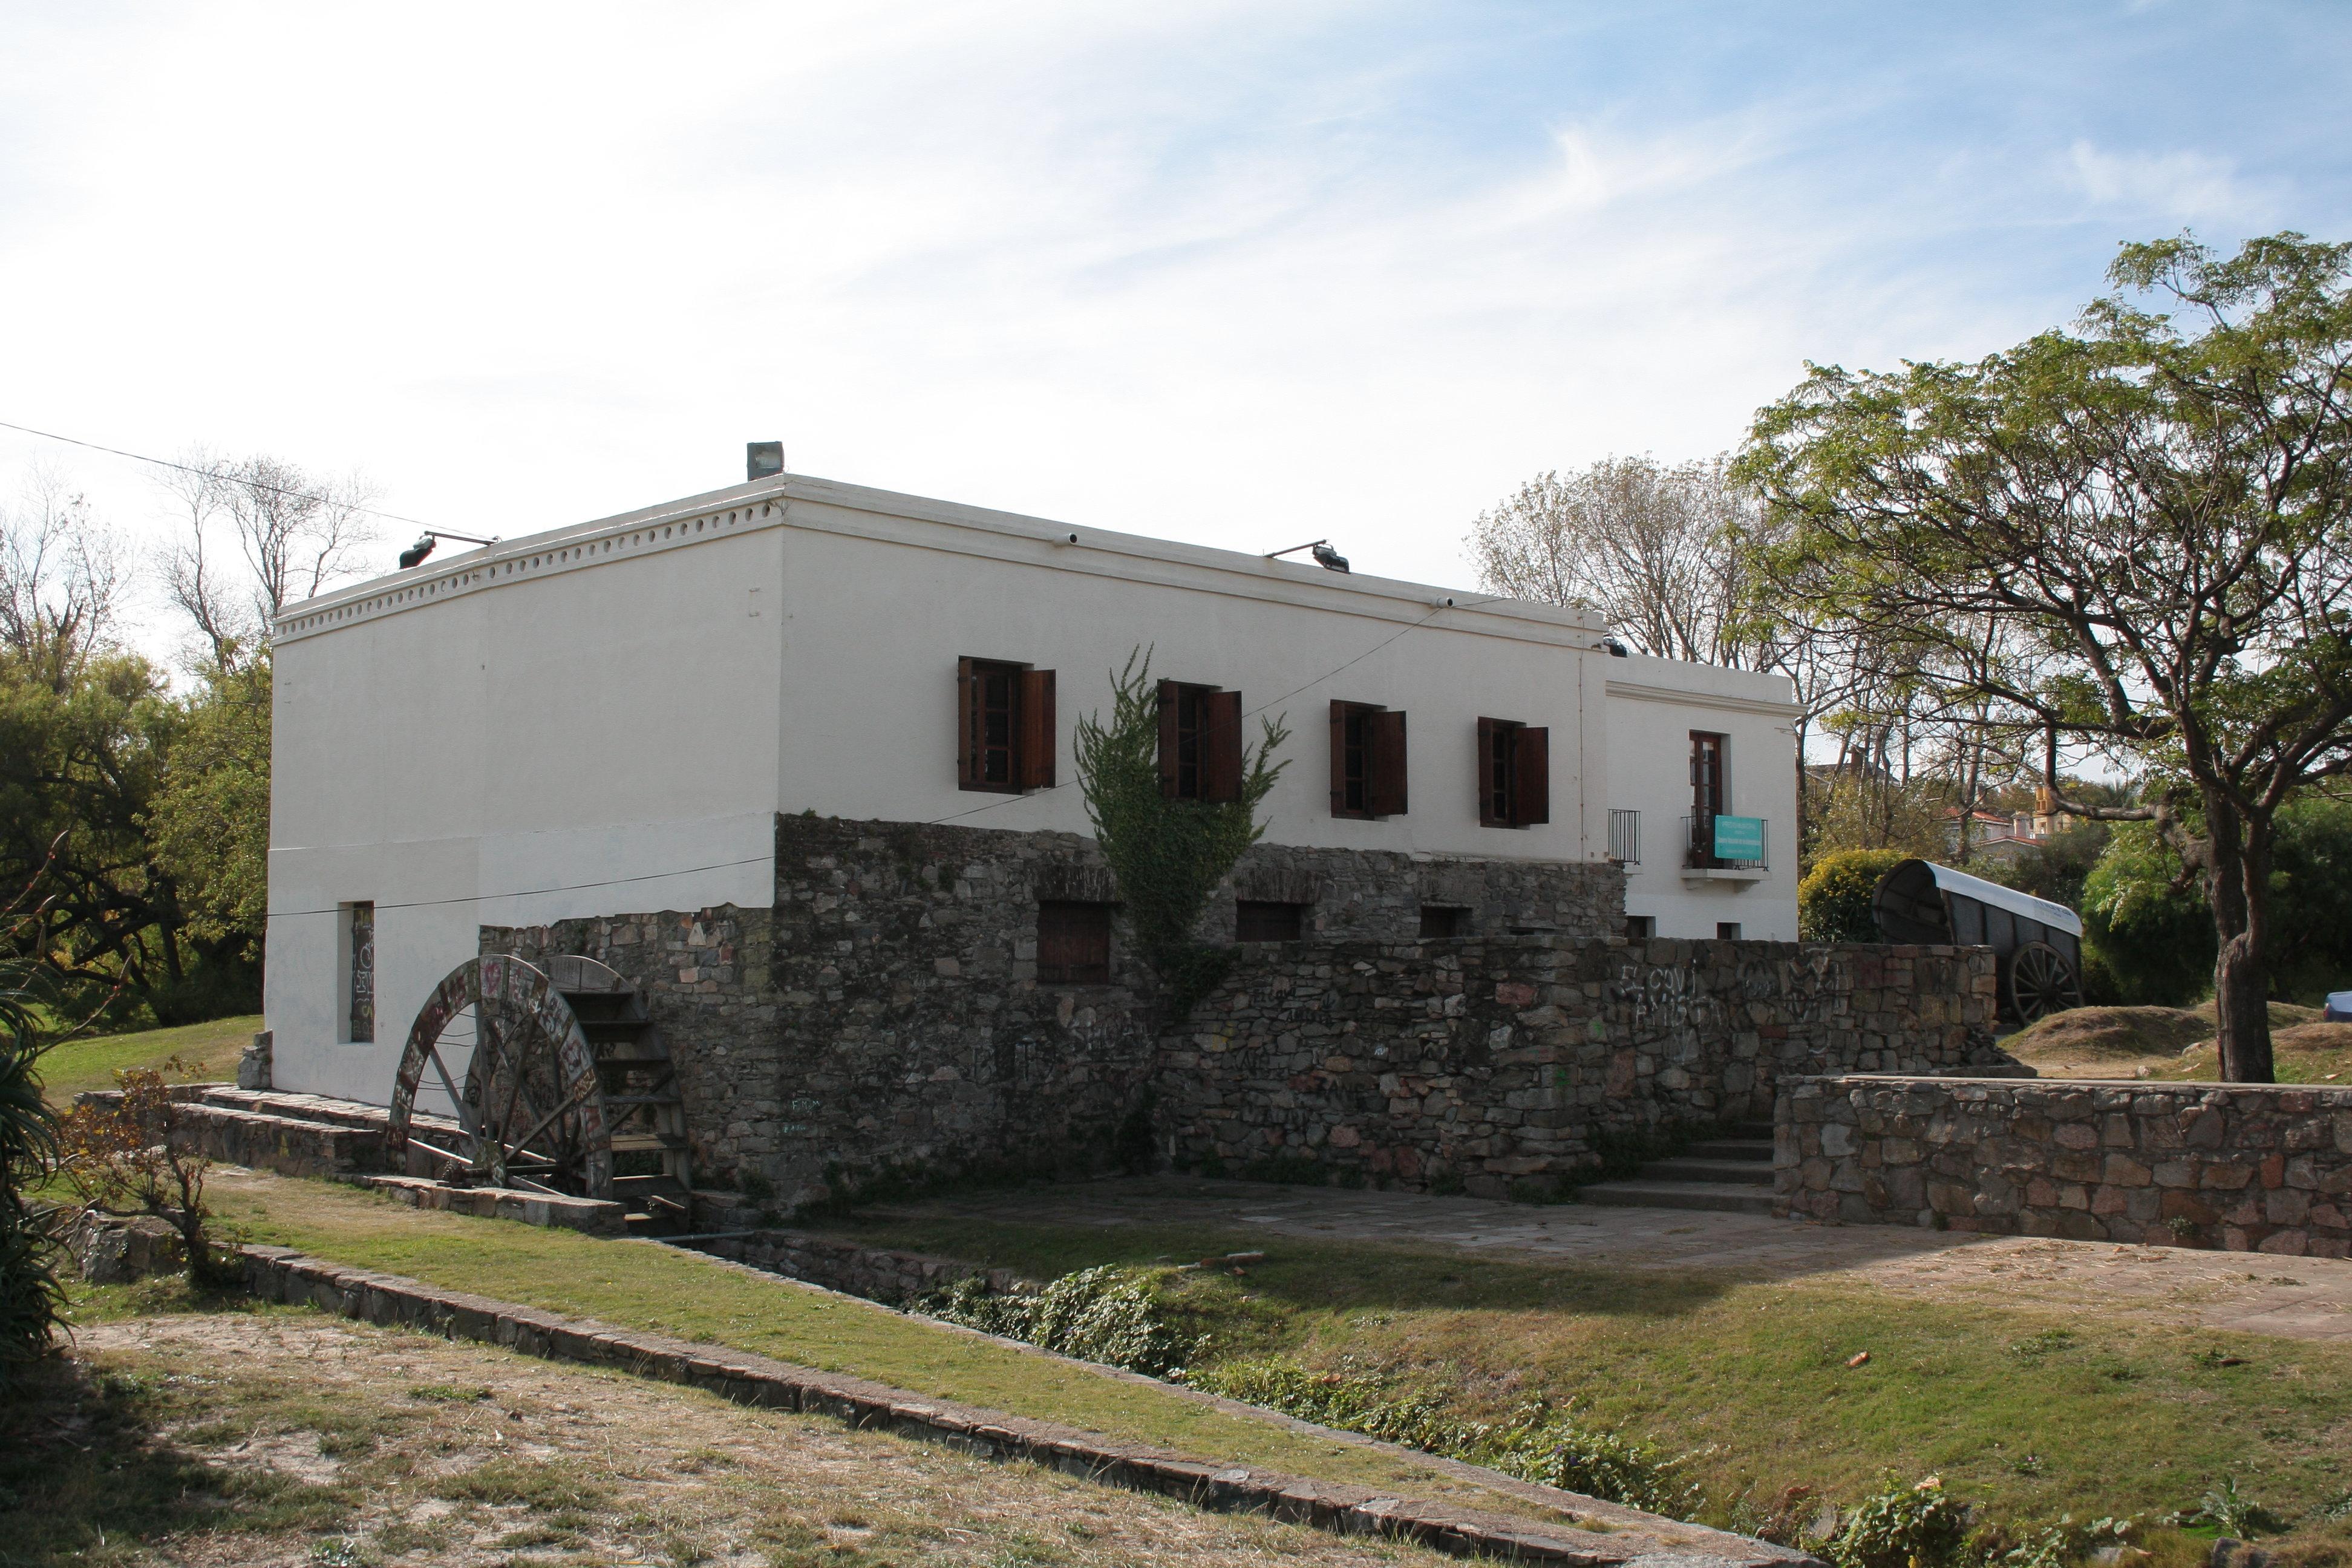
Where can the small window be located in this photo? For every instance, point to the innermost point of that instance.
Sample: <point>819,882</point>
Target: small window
<point>1367,761</point>
<point>1514,774</point>
<point>1640,928</point>
<point>1200,742</point>
<point>1072,943</point>
<point>1256,919</point>
<point>1442,922</point>
<point>1727,930</point>
<point>359,971</point>
<point>1004,726</point>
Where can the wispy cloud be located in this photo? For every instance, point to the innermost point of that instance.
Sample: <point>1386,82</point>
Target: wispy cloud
<point>2183,187</point>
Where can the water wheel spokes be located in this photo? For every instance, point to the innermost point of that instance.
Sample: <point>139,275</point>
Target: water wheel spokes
<point>529,1113</point>
<point>2042,981</point>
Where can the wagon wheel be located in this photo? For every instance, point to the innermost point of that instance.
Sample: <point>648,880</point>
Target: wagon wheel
<point>2041,981</point>
<point>531,1111</point>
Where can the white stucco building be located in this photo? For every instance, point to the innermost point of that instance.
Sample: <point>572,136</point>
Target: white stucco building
<point>612,716</point>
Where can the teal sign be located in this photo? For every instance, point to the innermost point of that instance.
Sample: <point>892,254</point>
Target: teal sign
<point>1739,838</point>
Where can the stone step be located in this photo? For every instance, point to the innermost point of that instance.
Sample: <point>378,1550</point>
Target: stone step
<point>1730,1148</point>
<point>1724,1196</point>
<point>1683,1168</point>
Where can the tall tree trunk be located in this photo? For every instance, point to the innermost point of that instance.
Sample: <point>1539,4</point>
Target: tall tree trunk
<point>2239,885</point>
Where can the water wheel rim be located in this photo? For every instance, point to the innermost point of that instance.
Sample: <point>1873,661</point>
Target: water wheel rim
<point>533,1108</point>
<point>2041,981</point>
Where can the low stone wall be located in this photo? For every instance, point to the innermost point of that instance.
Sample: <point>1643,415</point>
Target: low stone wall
<point>596,1216</point>
<point>2243,1167</point>
<point>877,1273</point>
<point>116,1249</point>
<point>1489,1064</point>
<point>238,1136</point>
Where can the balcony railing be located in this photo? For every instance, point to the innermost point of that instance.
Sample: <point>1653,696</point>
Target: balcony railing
<point>1625,836</point>
<point>1699,845</point>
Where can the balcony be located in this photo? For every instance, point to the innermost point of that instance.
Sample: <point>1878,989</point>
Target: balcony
<point>1726,848</point>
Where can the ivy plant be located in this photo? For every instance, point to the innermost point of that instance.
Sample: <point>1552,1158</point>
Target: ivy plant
<point>1167,856</point>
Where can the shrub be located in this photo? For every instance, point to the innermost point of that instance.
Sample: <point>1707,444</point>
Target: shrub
<point>1902,1525</point>
<point>1108,1314</point>
<point>122,1158</point>
<point>29,1296</point>
<point>1833,901</point>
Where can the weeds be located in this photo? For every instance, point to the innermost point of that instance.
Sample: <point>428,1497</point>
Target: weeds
<point>1112,1315</point>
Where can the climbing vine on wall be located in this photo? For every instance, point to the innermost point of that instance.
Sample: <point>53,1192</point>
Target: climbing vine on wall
<point>1167,855</point>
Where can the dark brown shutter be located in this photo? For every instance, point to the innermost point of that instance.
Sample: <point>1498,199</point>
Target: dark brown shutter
<point>967,712</point>
<point>1384,767</point>
<point>1531,758</point>
<point>1338,759</point>
<point>1168,738</point>
<point>1221,747</point>
<point>1486,818</point>
<point>1036,769</point>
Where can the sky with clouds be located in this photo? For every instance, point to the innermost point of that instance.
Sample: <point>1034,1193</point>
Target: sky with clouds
<point>1241,274</point>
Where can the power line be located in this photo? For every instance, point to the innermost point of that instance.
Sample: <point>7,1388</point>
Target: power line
<point>186,468</point>
<point>534,892</point>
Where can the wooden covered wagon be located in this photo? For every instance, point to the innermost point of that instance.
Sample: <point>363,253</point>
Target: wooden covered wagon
<point>2038,944</point>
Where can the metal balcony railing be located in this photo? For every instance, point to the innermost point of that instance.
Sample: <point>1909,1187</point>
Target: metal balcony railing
<point>1698,853</point>
<point>1625,836</point>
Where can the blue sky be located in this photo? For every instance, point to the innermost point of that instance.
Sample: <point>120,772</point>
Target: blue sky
<point>1241,274</point>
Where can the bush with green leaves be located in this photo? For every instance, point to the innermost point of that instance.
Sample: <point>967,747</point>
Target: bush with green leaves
<point>1833,900</point>
<point>30,1299</point>
<point>1108,1314</point>
<point>1167,856</point>
<point>1545,1444</point>
<point>1913,1524</point>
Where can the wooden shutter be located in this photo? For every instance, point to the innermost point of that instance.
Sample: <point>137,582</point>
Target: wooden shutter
<point>966,716</point>
<point>1338,759</point>
<point>1168,738</point>
<point>1384,763</point>
<point>1034,767</point>
<point>1531,761</point>
<point>1486,817</point>
<point>1221,747</point>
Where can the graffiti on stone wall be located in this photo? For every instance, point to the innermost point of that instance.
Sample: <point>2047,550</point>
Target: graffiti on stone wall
<point>1680,1005</point>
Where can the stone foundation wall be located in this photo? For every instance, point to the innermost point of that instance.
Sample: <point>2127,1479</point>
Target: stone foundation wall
<point>886,1019</point>
<point>1486,1064</point>
<point>2243,1167</point>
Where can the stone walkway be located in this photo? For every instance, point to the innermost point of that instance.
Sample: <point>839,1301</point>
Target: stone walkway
<point>2292,1298</point>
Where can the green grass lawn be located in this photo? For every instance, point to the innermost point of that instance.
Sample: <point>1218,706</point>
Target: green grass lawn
<point>646,1285</point>
<point>2030,1413</point>
<point>210,1049</point>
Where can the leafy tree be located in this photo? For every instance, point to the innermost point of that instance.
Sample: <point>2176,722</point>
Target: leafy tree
<point>1836,901</point>
<point>1167,856</point>
<point>210,819</point>
<point>2147,935</point>
<point>2134,538</point>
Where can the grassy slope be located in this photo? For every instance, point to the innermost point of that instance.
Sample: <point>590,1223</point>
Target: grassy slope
<point>210,1049</point>
<point>645,1285</point>
<point>2116,1042</point>
<point>2095,1416</point>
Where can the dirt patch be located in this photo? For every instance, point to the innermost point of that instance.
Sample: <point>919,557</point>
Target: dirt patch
<point>2120,1042</point>
<point>284,1437</point>
<point>2304,1053</point>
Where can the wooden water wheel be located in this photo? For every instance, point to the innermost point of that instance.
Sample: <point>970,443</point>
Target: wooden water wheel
<point>560,1081</point>
<point>2042,981</point>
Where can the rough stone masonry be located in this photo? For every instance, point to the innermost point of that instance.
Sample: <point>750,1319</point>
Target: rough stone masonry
<point>885,1018</point>
<point>2244,1167</point>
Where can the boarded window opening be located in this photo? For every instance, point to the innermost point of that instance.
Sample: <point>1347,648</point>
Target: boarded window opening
<point>1072,943</point>
<point>1259,919</point>
<point>1440,922</point>
<point>359,947</point>
<point>1640,928</point>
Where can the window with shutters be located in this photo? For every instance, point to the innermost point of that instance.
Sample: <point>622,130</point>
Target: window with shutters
<point>1514,774</point>
<point>1200,742</point>
<point>1259,919</point>
<point>1072,943</point>
<point>1004,726</point>
<point>1367,761</point>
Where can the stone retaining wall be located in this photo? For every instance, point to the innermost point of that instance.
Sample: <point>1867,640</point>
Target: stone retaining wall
<point>877,1273</point>
<point>1491,1064</point>
<point>2243,1167</point>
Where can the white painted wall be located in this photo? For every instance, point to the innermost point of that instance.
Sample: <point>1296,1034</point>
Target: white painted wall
<point>606,718</point>
<point>1653,705</point>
